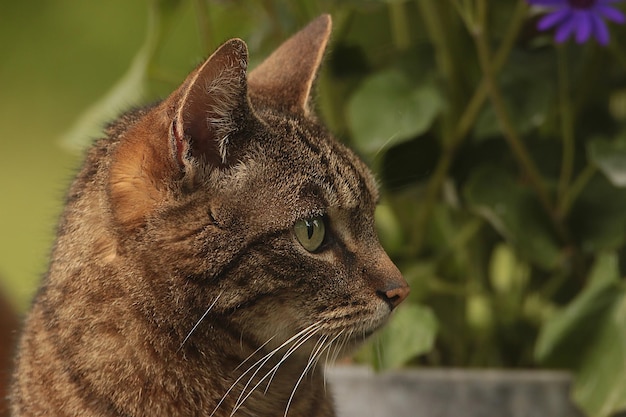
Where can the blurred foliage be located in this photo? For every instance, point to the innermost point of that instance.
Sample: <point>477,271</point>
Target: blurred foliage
<point>502,160</point>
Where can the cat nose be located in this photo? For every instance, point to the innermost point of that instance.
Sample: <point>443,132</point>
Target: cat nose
<point>394,295</point>
<point>391,286</point>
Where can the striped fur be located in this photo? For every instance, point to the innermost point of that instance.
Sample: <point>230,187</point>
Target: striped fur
<point>176,285</point>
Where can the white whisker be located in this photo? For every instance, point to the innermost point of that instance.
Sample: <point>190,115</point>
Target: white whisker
<point>339,347</point>
<point>327,349</point>
<point>255,352</point>
<point>306,369</point>
<point>292,349</point>
<point>300,338</point>
<point>378,349</point>
<point>299,342</point>
<point>259,364</point>
<point>384,145</point>
<point>198,322</point>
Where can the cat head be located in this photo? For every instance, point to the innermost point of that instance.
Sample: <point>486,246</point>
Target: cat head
<point>230,194</point>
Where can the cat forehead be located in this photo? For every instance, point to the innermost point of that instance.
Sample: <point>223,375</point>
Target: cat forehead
<point>318,168</point>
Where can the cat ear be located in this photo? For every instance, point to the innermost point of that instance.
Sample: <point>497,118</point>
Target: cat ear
<point>284,80</point>
<point>212,105</point>
<point>188,130</point>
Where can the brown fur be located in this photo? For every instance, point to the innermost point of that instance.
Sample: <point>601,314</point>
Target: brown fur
<point>176,270</point>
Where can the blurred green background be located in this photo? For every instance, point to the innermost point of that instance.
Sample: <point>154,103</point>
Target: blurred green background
<point>56,57</point>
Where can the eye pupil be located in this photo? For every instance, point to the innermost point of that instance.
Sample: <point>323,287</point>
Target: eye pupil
<point>310,232</point>
<point>309,229</point>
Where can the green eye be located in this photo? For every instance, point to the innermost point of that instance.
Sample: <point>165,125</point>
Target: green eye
<point>310,232</point>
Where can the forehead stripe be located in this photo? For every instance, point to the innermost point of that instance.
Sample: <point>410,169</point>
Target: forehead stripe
<point>349,183</point>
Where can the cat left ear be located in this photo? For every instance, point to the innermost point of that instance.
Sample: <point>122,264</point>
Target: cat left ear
<point>212,107</point>
<point>285,79</point>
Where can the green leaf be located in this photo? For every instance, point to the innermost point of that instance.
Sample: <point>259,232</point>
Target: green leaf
<point>390,231</point>
<point>610,158</point>
<point>411,332</point>
<point>536,87</point>
<point>600,383</point>
<point>131,88</point>
<point>576,323</point>
<point>479,313</point>
<point>588,337</point>
<point>605,271</point>
<point>513,210</point>
<point>598,216</point>
<point>389,109</point>
<point>507,274</point>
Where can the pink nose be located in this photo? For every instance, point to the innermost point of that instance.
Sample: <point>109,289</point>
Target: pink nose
<point>396,295</point>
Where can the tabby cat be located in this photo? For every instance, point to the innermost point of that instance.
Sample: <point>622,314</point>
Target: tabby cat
<point>214,249</point>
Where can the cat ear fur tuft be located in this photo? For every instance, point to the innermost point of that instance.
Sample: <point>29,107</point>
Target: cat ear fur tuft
<point>285,79</point>
<point>211,107</point>
<point>199,118</point>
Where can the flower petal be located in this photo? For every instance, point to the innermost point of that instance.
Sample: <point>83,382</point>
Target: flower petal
<point>566,28</point>
<point>584,25</point>
<point>600,31</point>
<point>610,13</point>
<point>552,19</point>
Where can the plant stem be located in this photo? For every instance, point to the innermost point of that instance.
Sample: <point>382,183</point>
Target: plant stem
<point>469,115</point>
<point>575,189</point>
<point>518,148</point>
<point>434,24</point>
<point>567,129</point>
<point>478,99</point>
<point>618,52</point>
<point>462,11</point>
<point>399,25</point>
<point>480,14</point>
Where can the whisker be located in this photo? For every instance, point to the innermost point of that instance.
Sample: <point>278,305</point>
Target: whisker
<point>306,369</point>
<point>378,348</point>
<point>297,344</point>
<point>339,347</point>
<point>326,366</point>
<point>287,354</point>
<point>255,352</point>
<point>300,338</point>
<point>260,364</point>
<point>327,349</point>
<point>198,322</point>
<point>384,145</point>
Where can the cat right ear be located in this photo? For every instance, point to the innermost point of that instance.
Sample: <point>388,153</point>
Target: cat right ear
<point>211,106</point>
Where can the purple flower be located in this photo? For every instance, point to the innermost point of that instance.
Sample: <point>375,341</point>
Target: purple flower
<point>581,18</point>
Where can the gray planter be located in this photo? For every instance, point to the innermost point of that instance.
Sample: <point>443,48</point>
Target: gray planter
<point>359,392</point>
